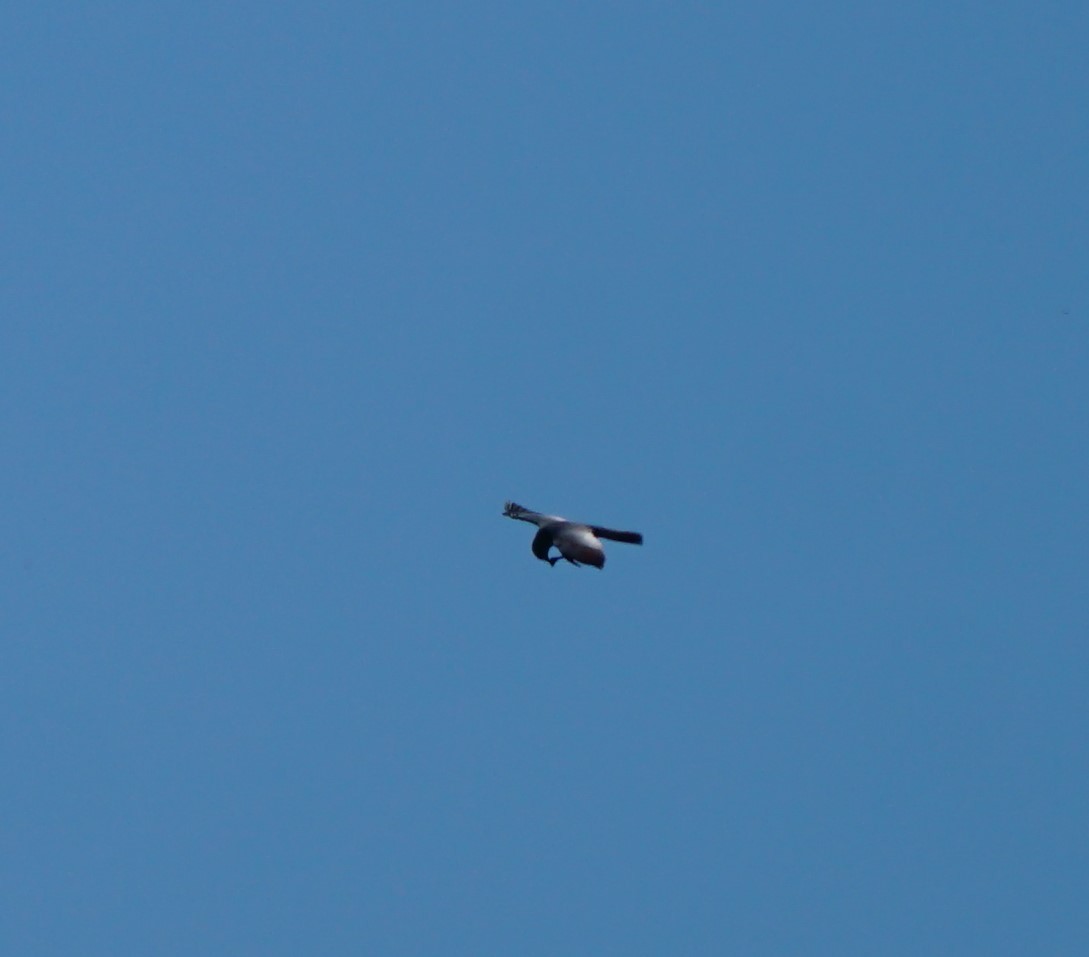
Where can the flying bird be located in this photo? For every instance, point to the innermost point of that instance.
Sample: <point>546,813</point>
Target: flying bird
<point>577,543</point>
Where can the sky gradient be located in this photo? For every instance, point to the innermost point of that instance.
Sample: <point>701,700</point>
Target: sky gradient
<point>297,295</point>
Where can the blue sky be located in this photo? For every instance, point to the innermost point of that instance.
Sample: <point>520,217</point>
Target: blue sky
<point>296,295</point>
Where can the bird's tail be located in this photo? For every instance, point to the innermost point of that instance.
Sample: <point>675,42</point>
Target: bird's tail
<point>632,538</point>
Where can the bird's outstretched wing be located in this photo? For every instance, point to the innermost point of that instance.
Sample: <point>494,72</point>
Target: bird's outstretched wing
<point>523,514</point>
<point>632,538</point>
<point>514,510</point>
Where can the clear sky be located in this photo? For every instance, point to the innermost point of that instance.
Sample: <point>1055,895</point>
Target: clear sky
<point>295,295</point>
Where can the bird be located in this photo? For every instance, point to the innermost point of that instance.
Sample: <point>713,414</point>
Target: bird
<point>578,543</point>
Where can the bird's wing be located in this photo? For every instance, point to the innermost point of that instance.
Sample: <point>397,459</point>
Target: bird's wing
<point>523,514</point>
<point>632,538</point>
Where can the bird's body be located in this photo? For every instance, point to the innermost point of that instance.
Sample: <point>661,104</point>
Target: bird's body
<point>578,543</point>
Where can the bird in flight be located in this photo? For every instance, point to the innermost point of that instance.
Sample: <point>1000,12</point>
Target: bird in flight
<point>577,543</point>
